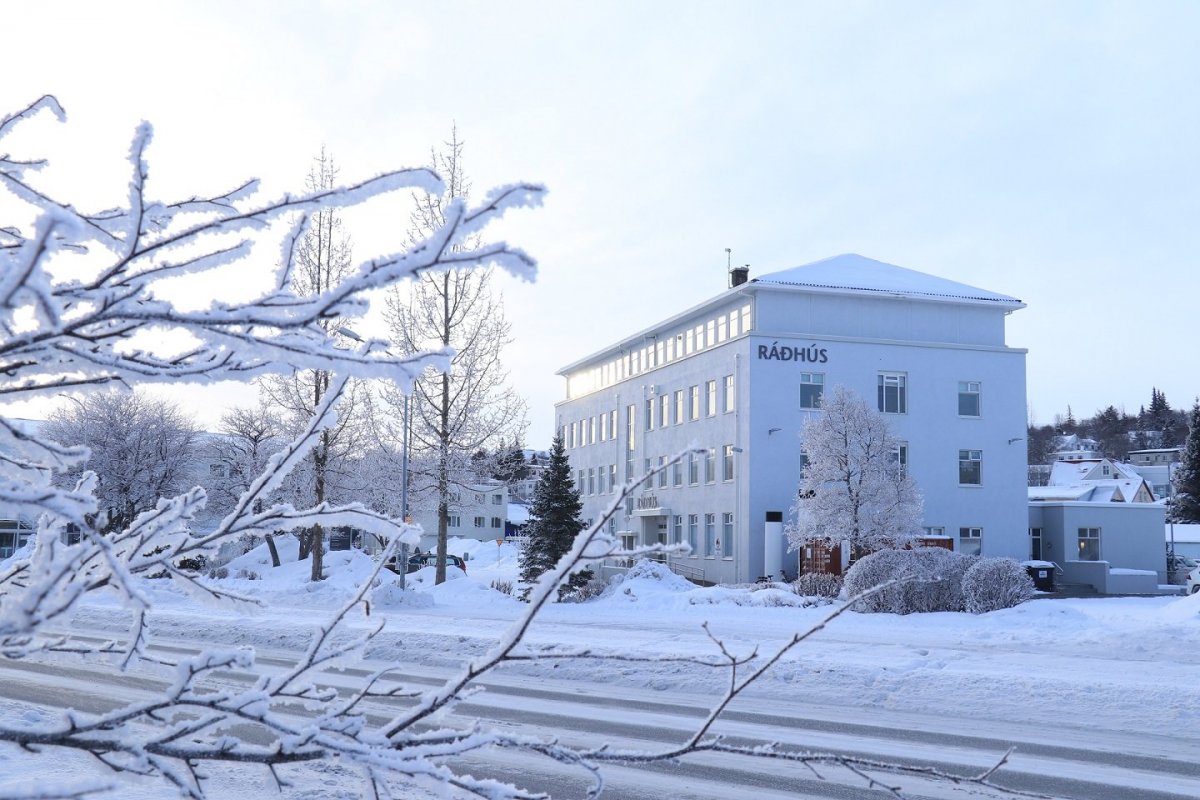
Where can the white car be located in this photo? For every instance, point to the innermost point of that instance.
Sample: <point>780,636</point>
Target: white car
<point>1193,581</point>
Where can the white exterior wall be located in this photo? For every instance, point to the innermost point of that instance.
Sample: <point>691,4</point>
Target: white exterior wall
<point>488,502</point>
<point>935,342</point>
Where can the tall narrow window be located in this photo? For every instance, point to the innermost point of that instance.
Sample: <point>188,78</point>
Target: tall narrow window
<point>730,397</point>
<point>650,414</point>
<point>727,532</point>
<point>969,404</point>
<point>970,541</point>
<point>662,472</point>
<point>693,533</point>
<point>693,470</point>
<point>710,465</point>
<point>710,393</point>
<point>649,481</point>
<point>721,323</point>
<point>746,318</point>
<point>631,427</point>
<point>664,409</point>
<point>679,407</point>
<point>812,387</point>
<point>591,488</point>
<point>970,467</point>
<point>1035,544</point>
<point>893,393</point>
<point>694,404</point>
<point>900,459</point>
<point>612,425</point>
<point>727,464</point>
<point>712,332</point>
<point>710,534</point>
<point>677,529</point>
<point>677,474</point>
<point>612,477</point>
<point>1089,544</point>
<point>603,426</point>
<point>592,429</point>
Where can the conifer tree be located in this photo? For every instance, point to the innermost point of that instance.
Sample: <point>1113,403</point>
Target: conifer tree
<point>1186,507</point>
<point>554,522</point>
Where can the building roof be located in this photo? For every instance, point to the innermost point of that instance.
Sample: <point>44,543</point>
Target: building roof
<point>1120,485</point>
<point>852,272</point>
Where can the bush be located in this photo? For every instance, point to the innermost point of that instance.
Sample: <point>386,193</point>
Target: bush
<point>930,579</point>
<point>817,584</point>
<point>503,587</point>
<point>996,583</point>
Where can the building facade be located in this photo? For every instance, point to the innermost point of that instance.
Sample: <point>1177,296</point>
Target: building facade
<point>737,376</point>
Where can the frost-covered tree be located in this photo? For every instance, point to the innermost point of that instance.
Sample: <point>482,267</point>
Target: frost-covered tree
<point>853,487</point>
<point>142,448</point>
<point>239,453</point>
<point>1186,504</point>
<point>554,521</point>
<point>323,258</point>
<point>470,407</point>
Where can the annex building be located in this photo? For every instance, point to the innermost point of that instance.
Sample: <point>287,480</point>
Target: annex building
<point>739,373</point>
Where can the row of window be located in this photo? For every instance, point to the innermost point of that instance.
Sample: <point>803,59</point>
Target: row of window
<point>665,350</point>
<point>892,393</point>
<point>455,521</point>
<point>662,410</point>
<point>480,498</point>
<point>1087,542</point>
<point>603,479</point>
<point>716,542</point>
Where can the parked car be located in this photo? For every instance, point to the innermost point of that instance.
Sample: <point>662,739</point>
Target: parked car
<point>1193,581</point>
<point>427,560</point>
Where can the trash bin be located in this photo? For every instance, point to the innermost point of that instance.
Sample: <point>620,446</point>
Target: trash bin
<point>1042,573</point>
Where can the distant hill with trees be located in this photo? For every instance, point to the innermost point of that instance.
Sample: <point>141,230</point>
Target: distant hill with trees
<point>1117,432</point>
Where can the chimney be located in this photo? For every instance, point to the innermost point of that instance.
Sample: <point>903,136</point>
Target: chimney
<point>738,276</point>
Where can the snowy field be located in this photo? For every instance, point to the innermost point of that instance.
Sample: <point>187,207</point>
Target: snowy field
<point>1084,669</point>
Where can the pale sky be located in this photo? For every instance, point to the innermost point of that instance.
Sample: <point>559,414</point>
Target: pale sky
<point>1044,150</point>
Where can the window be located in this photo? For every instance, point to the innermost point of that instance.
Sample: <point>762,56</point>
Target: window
<point>592,427</point>
<point>970,471</point>
<point>693,530</point>
<point>711,327</point>
<point>970,541</point>
<point>968,399</point>
<point>710,465</point>
<point>604,426</point>
<point>677,474</point>
<point>600,471</point>
<point>679,407</point>
<point>650,414</point>
<point>612,425</point>
<point>812,386</point>
<point>900,459</point>
<point>893,393</point>
<point>629,466</point>
<point>936,530</point>
<point>591,484</point>
<point>690,342</point>
<point>722,321</point>
<point>573,428</point>
<point>1089,544</point>
<point>662,472</point>
<point>612,477</point>
<point>733,324</point>
<point>631,426</point>
<point>693,470</point>
<point>710,535</point>
<point>727,532</point>
<point>479,522</point>
<point>579,482</point>
<point>1035,544</point>
<point>479,499</point>
<point>694,409</point>
<point>729,395</point>
<point>496,523</point>
<point>710,393</point>
<point>746,318</point>
<point>677,529</point>
<point>649,478</point>
<point>664,410</point>
<point>453,521</point>
<point>497,499</point>
<point>727,463</point>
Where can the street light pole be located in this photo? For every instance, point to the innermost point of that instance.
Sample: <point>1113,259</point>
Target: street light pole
<point>404,487</point>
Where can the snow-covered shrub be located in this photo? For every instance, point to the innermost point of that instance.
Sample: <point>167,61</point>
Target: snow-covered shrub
<point>588,591</point>
<point>503,587</point>
<point>817,584</point>
<point>994,583</point>
<point>929,579</point>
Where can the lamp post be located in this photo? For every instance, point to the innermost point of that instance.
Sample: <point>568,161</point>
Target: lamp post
<point>404,487</point>
<point>1171,521</point>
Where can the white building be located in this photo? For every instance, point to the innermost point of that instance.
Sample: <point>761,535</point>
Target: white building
<point>739,373</point>
<point>476,512</point>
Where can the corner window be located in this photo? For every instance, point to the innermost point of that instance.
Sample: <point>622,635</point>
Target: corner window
<point>1089,544</point>
<point>893,392</point>
<point>969,403</point>
<point>970,541</point>
<point>812,386</point>
<point>970,467</point>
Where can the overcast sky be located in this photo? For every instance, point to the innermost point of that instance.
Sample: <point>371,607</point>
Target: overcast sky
<point>1044,150</point>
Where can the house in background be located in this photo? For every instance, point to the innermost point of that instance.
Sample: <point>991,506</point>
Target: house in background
<point>1157,466</point>
<point>1101,523</point>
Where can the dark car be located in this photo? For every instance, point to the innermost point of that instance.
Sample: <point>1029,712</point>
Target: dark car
<point>428,560</point>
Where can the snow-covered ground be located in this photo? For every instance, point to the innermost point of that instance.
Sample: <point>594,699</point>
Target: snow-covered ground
<point>1082,668</point>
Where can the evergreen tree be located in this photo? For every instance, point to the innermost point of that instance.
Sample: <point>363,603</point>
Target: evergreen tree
<point>1186,507</point>
<point>554,522</point>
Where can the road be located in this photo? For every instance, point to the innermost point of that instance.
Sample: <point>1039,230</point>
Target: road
<point>1068,763</point>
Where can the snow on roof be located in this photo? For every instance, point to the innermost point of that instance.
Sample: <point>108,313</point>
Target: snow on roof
<point>518,513</point>
<point>851,271</point>
<point>1121,485</point>
<point>1059,492</point>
